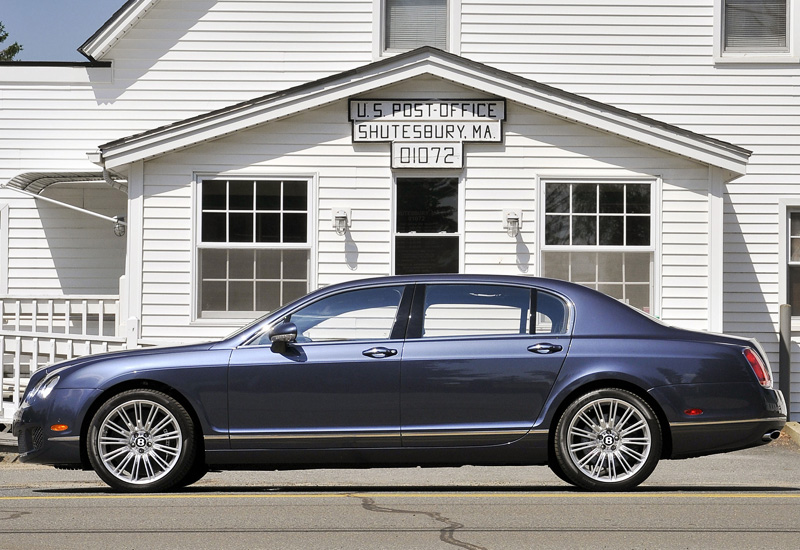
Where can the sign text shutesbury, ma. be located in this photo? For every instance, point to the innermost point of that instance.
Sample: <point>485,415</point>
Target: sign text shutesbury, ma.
<point>427,133</point>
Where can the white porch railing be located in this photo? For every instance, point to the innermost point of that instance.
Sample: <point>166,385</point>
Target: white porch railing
<point>37,331</point>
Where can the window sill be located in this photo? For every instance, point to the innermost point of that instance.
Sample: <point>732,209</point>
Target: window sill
<point>756,58</point>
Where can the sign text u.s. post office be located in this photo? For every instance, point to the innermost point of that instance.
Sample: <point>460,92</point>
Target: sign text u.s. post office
<point>427,133</point>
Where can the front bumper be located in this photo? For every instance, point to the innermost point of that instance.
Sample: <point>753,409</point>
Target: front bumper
<point>39,444</point>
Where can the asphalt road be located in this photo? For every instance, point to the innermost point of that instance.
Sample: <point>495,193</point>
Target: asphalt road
<point>747,499</point>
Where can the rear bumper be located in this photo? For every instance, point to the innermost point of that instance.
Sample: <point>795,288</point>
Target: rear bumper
<point>691,439</point>
<point>735,416</point>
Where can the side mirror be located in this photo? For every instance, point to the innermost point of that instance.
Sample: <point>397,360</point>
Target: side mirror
<point>282,335</point>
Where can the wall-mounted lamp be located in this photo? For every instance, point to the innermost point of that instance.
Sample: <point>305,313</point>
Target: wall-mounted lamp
<point>119,226</point>
<point>512,222</point>
<point>340,218</point>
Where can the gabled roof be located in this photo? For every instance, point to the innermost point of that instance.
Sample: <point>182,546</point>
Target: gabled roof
<point>115,28</point>
<point>425,61</point>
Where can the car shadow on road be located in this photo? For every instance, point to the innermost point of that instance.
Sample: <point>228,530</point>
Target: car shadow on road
<point>700,490</point>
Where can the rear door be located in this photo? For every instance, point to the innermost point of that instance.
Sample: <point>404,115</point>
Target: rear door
<point>479,362</point>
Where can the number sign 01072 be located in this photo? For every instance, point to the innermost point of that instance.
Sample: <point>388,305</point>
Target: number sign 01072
<point>407,154</point>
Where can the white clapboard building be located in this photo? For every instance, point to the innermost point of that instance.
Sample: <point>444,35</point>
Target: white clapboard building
<point>213,159</point>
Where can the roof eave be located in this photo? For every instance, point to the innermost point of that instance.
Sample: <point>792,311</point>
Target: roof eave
<point>115,28</point>
<point>437,63</point>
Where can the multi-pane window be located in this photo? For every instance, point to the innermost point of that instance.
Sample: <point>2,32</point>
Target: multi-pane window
<point>426,231</point>
<point>600,235</point>
<point>253,252</point>
<point>794,262</point>
<point>755,26</point>
<point>410,24</point>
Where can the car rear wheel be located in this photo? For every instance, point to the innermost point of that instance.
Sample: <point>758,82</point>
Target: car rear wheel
<point>608,440</point>
<point>142,440</point>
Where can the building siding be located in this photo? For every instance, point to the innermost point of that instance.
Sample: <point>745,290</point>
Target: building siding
<point>188,57</point>
<point>53,251</point>
<point>358,176</point>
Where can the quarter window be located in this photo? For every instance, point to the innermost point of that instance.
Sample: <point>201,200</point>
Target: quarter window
<point>600,235</point>
<point>253,251</point>
<point>410,24</point>
<point>755,26</point>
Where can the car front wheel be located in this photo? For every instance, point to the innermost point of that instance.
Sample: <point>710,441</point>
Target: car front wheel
<point>608,440</point>
<point>141,440</point>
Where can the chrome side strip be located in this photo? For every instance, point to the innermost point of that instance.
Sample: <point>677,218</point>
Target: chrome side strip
<point>65,438</point>
<point>216,437</point>
<point>360,435</point>
<point>367,435</point>
<point>465,433</point>
<point>723,422</point>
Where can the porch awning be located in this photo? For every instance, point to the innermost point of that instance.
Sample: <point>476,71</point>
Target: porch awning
<point>36,182</point>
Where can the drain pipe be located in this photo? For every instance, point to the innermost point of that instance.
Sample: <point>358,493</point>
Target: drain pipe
<point>112,182</point>
<point>785,357</point>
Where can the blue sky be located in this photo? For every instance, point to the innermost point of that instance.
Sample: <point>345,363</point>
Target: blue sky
<point>52,30</point>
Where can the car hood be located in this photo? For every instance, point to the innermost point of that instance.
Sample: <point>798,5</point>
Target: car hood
<point>70,366</point>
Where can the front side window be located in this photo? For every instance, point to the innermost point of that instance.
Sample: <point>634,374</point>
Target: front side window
<point>755,26</point>
<point>426,229</point>
<point>600,235</point>
<point>366,314</point>
<point>497,310</point>
<point>253,250</point>
<point>410,24</point>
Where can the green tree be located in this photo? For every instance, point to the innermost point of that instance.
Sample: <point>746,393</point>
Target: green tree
<point>8,53</point>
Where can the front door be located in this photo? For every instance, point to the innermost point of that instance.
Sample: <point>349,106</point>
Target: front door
<point>337,386</point>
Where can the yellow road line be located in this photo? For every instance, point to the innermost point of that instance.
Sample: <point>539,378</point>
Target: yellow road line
<point>638,496</point>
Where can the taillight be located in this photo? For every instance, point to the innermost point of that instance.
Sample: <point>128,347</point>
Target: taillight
<point>759,368</point>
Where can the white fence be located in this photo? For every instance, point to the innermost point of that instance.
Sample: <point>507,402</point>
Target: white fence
<point>36,331</point>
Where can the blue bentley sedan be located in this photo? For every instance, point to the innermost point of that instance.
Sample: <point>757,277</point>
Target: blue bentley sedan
<point>430,370</point>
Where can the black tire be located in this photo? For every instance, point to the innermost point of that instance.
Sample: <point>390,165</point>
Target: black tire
<point>195,473</point>
<point>608,440</point>
<point>555,467</point>
<point>142,441</point>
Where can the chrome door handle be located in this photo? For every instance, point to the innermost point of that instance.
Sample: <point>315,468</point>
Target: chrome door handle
<point>545,348</point>
<point>379,353</point>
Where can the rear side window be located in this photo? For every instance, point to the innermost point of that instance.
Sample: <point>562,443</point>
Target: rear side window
<point>481,309</point>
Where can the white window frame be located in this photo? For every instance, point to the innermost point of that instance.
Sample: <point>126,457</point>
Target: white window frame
<point>197,244</point>
<point>379,29</point>
<point>786,207</point>
<point>655,236</point>
<point>4,218</point>
<point>461,201</point>
<point>722,56</point>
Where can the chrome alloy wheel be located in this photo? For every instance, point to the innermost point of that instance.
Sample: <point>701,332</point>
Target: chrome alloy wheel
<point>609,440</point>
<point>139,442</point>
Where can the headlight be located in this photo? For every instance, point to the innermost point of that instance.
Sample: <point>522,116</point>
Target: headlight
<point>48,386</point>
<point>43,388</point>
